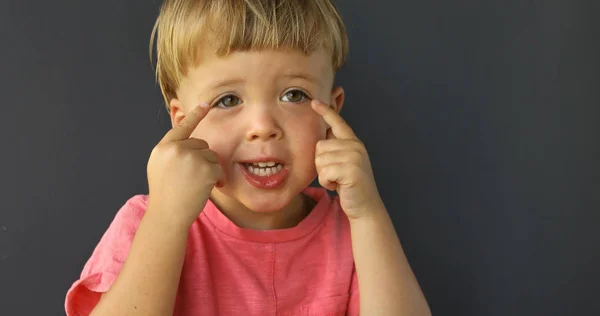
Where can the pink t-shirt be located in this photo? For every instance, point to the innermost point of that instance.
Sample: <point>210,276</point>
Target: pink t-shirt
<point>228,270</point>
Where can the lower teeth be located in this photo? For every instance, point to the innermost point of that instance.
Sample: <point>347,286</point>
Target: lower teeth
<point>264,171</point>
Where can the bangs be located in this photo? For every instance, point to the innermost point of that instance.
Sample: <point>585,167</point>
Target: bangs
<point>186,28</point>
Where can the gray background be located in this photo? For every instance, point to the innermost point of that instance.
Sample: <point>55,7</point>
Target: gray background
<point>481,118</point>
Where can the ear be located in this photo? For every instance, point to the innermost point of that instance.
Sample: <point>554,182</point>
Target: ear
<point>337,98</point>
<point>176,112</point>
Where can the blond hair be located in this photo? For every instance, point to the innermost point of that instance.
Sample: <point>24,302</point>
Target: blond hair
<point>183,26</point>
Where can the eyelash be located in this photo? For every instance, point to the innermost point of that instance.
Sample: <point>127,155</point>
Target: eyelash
<point>305,96</point>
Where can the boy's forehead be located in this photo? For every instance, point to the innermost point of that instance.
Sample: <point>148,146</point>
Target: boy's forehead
<point>315,67</point>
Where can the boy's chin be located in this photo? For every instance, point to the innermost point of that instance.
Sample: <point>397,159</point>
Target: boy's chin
<point>266,202</point>
<point>261,201</point>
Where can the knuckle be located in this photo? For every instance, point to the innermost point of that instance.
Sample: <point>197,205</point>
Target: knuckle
<point>157,149</point>
<point>322,144</point>
<point>318,160</point>
<point>166,150</point>
<point>357,143</point>
<point>205,168</point>
<point>179,151</point>
<point>359,150</point>
<point>319,146</point>
<point>160,147</point>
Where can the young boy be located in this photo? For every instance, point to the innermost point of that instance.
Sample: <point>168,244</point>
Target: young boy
<point>230,226</point>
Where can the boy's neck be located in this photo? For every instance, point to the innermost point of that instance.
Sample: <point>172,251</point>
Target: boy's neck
<point>243,217</point>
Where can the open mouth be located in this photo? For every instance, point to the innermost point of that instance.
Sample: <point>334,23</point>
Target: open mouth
<point>267,173</point>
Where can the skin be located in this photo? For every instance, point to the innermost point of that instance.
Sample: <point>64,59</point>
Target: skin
<point>198,158</point>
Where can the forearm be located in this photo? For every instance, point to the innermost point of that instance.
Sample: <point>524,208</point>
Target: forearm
<point>387,285</point>
<point>148,282</point>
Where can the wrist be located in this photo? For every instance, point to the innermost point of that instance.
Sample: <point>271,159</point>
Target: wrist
<point>374,210</point>
<point>167,218</point>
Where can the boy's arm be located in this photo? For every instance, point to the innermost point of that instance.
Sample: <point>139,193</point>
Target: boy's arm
<point>148,282</point>
<point>386,283</point>
<point>181,169</point>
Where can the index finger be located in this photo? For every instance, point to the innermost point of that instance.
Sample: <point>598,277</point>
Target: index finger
<point>184,129</point>
<point>339,127</point>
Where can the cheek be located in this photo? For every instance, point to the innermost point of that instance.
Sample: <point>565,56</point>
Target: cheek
<point>304,132</point>
<point>214,136</point>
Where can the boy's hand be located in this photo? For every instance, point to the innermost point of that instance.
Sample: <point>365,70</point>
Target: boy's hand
<point>182,171</point>
<point>343,165</point>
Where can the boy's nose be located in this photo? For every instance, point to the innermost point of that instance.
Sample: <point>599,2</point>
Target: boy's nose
<point>263,126</point>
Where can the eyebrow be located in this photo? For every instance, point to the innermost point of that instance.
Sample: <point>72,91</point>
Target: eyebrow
<point>226,82</point>
<point>304,76</point>
<point>234,81</point>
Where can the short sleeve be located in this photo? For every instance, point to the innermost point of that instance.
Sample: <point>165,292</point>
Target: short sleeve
<point>106,261</point>
<point>354,300</point>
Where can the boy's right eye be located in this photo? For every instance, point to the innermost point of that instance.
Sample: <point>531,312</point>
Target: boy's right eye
<point>228,101</point>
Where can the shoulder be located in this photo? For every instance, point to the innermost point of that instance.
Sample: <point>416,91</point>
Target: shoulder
<point>127,219</point>
<point>133,209</point>
<point>137,203</point>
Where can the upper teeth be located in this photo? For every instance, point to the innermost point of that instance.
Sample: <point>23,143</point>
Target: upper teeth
<point>265,164</point>
<point>264,168</point>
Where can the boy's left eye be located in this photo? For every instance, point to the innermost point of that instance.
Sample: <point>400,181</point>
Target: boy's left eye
<point>294,96</point>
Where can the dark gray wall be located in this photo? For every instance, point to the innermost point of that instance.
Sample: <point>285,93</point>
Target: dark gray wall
<point>481,118</point>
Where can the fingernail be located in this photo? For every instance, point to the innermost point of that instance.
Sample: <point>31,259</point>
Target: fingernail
<point>204,104</point>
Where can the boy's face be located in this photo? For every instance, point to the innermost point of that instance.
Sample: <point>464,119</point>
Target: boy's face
<point>260,112</point>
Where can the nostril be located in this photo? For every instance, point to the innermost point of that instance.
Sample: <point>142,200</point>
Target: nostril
<point>269,136</point>
<point>264,132</point>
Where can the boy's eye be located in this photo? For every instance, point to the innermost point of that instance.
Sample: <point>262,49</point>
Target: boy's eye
<point>294,96</point>
<point>228,101</point>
